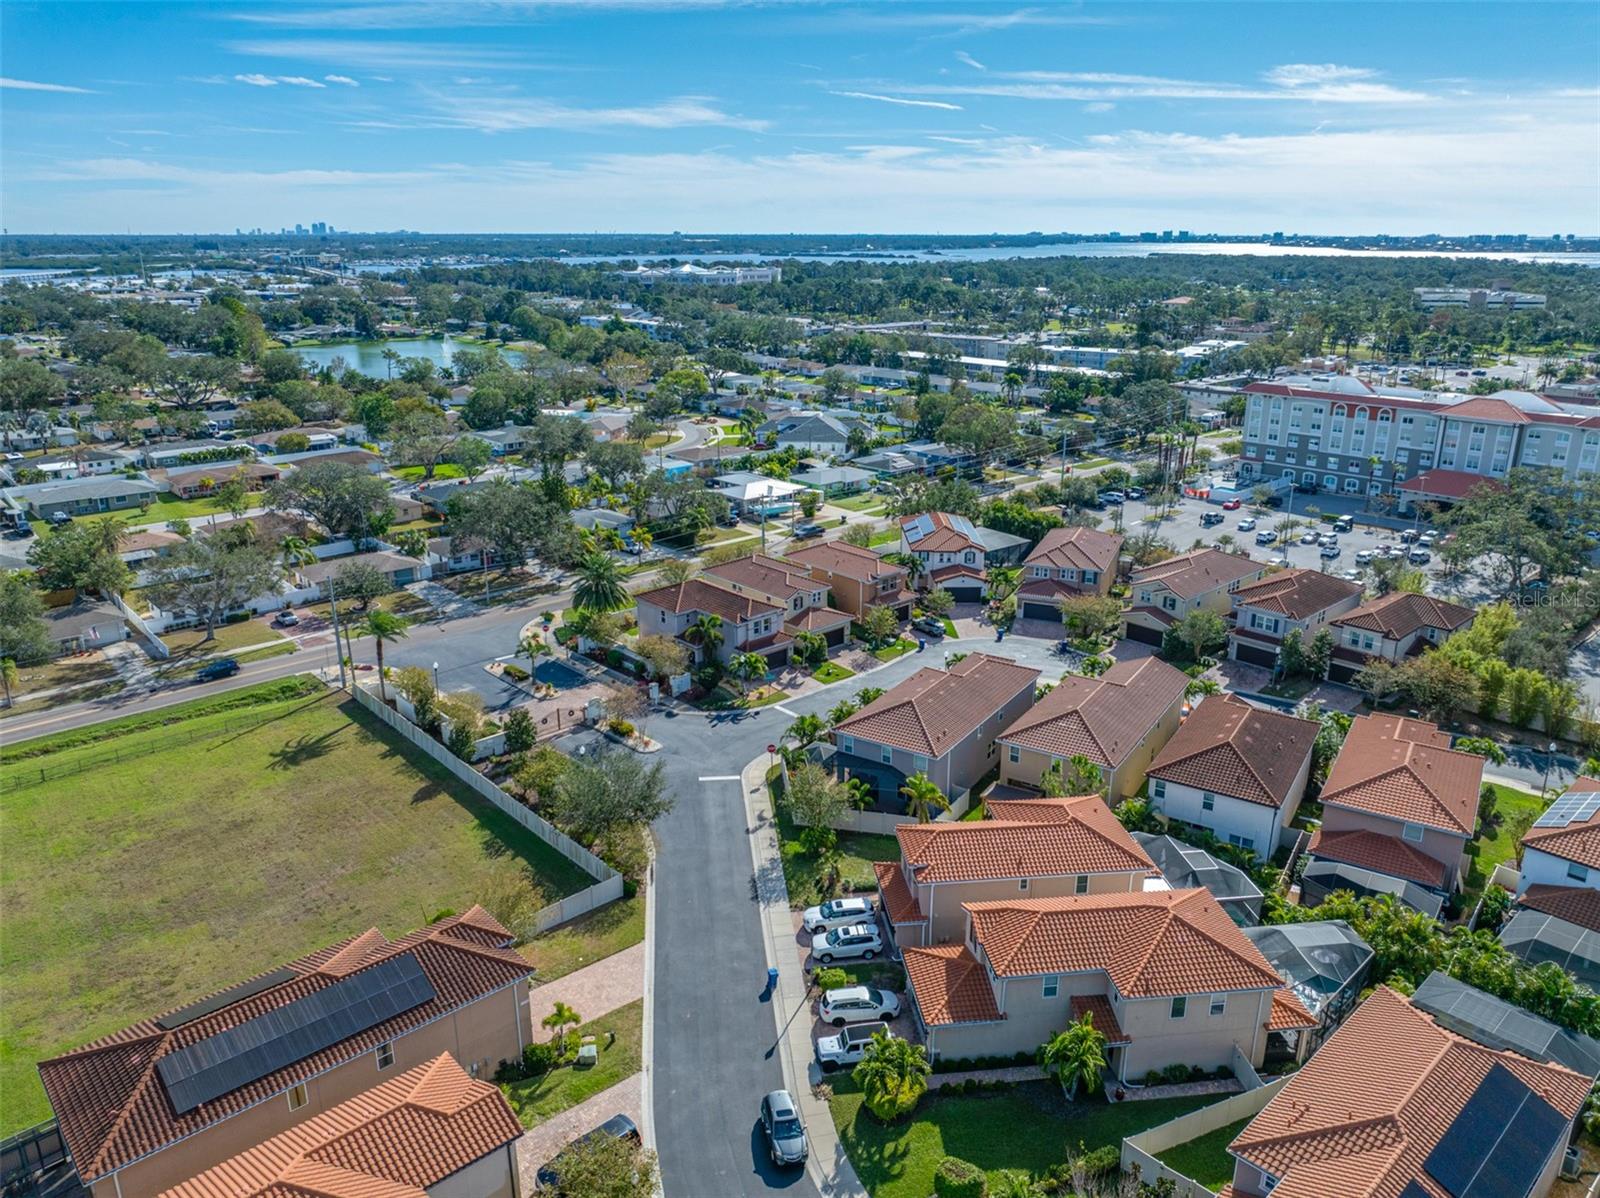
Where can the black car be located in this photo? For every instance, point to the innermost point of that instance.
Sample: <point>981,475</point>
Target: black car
<point>618,1127</point>
<point>223,667</point>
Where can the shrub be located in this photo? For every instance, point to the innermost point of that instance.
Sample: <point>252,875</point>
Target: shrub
<point>956,1178</point>
<point>831,978</point>
<point>1153,1078</point>
<point>540,1057</point>
<point>1102,1162</point>
<point>620,728</point>
<point>1175,1073</point>
<point>238,617</point>
<point>1198,1073</point>
<point>463,741</point>
<point>515,672</point>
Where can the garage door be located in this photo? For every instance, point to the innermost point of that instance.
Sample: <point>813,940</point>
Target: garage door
<point>1040,611</point>
<point>835,636</point>
<point>1256,655</point>
<point>965,594</point>
<point>1148,636</point>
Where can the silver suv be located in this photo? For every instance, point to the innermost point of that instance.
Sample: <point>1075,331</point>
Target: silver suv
<point>837,913</point>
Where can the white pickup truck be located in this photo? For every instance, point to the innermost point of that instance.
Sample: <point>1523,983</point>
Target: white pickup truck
<point>848,1046</point>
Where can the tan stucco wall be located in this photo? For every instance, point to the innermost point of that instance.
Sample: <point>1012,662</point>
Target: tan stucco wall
<point>1441,846</point>
<point>947,923</point>
<point>1121,782</point>
<point>1199,1038</point>
<point>492,1176</point>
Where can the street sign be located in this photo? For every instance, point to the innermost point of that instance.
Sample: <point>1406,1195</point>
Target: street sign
<point>772,748</point>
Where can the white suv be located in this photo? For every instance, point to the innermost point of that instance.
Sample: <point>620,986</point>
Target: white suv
<point>843,944</point>
<point>838,913</point>
<point>857,1004</point>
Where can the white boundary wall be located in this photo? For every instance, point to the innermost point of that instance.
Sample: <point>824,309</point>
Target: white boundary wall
<point>1141,1149</point>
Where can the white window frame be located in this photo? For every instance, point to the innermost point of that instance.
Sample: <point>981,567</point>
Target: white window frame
<point>298,1096</point>
<point>1051,987</point>
<point>1179,1007</point>
<point>1013,754</point>
<point>1407,830</point>
<point>886,754</point>
<point>384,1054</point>
<point>1219,1004</point>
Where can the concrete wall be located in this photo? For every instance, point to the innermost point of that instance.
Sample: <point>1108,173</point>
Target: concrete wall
<point>1141,1149</point>
<point>947,922</point>
<point>1198,1037</point>
<point>492,1176</point>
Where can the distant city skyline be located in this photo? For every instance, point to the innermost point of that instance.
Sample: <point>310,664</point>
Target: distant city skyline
<point>803,116</point>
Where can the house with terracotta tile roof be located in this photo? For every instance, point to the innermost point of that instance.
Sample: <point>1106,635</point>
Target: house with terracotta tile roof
<point>1237,770</point>
<point>857,578</point>
<point>749,625</point>
<point>153,1105</point>
<point>1399,801</point>
<point>1025,849</point>
<point>772,580</point>
<point>432,1130</point>
<point>1165,592</point>
<point>1394,627</point>
<point>1563,846</point>
<point>1394,1105</point>
<point>1067,562</point>
<point>941,723</point>
<point>1266,611</point>
<point>956,554</point>
<point>1167,976</point>
<point>1119,721</point>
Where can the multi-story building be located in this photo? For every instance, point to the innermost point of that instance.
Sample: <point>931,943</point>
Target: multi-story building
<point>1337,433</point>
<point>1394,627</point>
<point>772,580</point>
<point>748,624</point>
<point>1067,562</point>
<point>1563,846</point>
<point>1432,298</point>
<point>1162,594</point>
<point>857,578</point>
<point>1266,611</point>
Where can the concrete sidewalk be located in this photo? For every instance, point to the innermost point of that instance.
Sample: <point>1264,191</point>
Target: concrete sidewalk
<point>828,1166</point>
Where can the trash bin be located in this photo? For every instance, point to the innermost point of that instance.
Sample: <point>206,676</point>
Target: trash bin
<point>921,644</point>
<point>772,979</point>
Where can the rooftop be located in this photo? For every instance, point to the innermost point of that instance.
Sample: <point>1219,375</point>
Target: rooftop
<point>1570,829</point>
<point>1077,548</point>
<point>1231,748</point>
<point>1185,867</point>
<point>1495,1023</point>
<point>1383,854</point>
<point>1404,769</point>
<point>1198,571</point>
<point>699,594</point>
<point>769,575</point>
<point>1103,718</point>
<point>1399,614</point>
<point>934,710</point>
<point>1087,838</point>
<point>1449,484</point>
<point>939,532</point>
<point>1296,594</point>
<point>851,561</point>
<point>950,986</point>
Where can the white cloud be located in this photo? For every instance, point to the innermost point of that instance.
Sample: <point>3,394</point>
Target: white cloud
<point>343,79</point>
<point>1300,84</point>
<point>898,100</point>
<point>973,22</point>
<point>460,14</point>
<point>1299,74</point>
<point>29,85</point>
<point>963,56</point>
<point>299,81</point>
<point>1099,106</point>
<point>392,55</point>
<point>500,114</point>
<point>257,80</point>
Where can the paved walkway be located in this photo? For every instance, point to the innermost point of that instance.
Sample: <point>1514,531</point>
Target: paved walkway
<point>447,605</point>
<point>542,1142</point>
<point>594,990</point>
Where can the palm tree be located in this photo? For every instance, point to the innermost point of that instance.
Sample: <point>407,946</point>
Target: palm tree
<point>860,792</point>
<point>1076,1055</point>
<point>841,711</point>
<point>706,632</point>
<point>913,565</point>
<point>807,730</point>
<point>893,1074</point>
<point>923,797</point>
<point>296,551</point>
<point>382,626</point>
<point>747,666</point>
<point>1003,582</point>
<point>557,1022</point>
<point>599,586</point>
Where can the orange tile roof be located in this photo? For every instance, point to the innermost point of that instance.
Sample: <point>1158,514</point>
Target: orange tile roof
<point>1572,904</point>
<point>944,573</point>
<point>950,986</point>
<point>1578,842</point>
<point>1098,1008</point>
<point>1102,718</point>
<point>934,710</point>
<point>945,537</point>
<point>814,618</point>
<point>1155,943</point>
<point>1289,1013</point>
<point>1450,484</point>
<point>1361,1116</point>
<point>1036,811</point>
<point>1401,613</point>
<point>1383,854</point>
<point>398,1138</point>
<point>898,902</point>
<point>1198,571</point>
<point>851,561</point>
<point>113,1107</point>
<point>1296,594</point>
<point>1404,769</point>
<point>1231,748</point>
<point>1077,548</point>
<point>769,575</point>
<point>700,594</point>
<point>1090,840</point>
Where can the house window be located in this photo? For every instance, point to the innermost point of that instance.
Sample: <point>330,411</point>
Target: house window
<point>886,755</point>
<point>1219,1003</point>
<point>1091,576</point>
<point>847,744</point>
<point>1208,801</point>
<point>298,1097</point>
<point>1412,832</point>
<point>1052,985</point>
<point>1242,842</point>
<point>919,763</point>
<point>385,1055</point>
<point>1578,873</point>
<point>1158,789</point>
<point>1081,885</point>
<point>1013,754</point>
<point>1169,602</point>
<point>1022,883</point>
<point>1179,1006</point>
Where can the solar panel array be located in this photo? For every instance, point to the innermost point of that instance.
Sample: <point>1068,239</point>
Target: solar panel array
<point>1571,808</point>
<point>1497,1024</point>
<point>1498,1145</point>
<point>223,1063</point>
<point>923,526</point>
<point>227,998</point>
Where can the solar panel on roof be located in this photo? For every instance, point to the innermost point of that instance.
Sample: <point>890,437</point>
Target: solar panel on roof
<point>1572,808</point>
<point>1498,1144</point>
<point>227,998</point>
<point>222,1063</point>
<point>915,530</point>
<point>1415,1190</point>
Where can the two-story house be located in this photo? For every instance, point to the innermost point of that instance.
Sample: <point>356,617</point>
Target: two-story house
<point>804,599</point>
<point>1067,562</point>
<point>749,625</point>
<point>938,723</point>
<point>1026,849</point>
<point>1119,721</point>
<point>1236,770</point>
<point>1163,593</point>
<point>1399,803</point>
<point>1394,627</point>
<point>956,553</point>
<point>1167,977</point>
<point>151,1106</point>
<point>857,578</point>
<point>1563,846</point>
<point>1559,924</point>
<point>1267,610</point>
<point>431,1130</point>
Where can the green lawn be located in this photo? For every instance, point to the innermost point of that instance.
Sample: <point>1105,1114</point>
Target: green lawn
<point>859,503</point>
<point>1499,842</point>
<point>857,850</point>
<point>884,536</point>
<point>587,939</point>
<point>1206,1159</point>
<point>190,649</point>
<point>413,474</point>
<point>1029,1126</point>
<point>98,690</point>
<point>201,851</point>
<point>619,1036</point>
<point>949,627</point>
<point>830,672</point>
<point>168,507</point>
<point>899,649</point>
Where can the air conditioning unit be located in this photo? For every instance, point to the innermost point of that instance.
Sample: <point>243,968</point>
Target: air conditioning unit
<point>1571,1165</point>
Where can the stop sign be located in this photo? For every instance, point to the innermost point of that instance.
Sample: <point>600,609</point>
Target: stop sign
<point>772,748</point>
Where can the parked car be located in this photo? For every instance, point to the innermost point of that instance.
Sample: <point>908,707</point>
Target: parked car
<point>1363,556</point>
<point>1343,524</point>
<point>858,941</point>
<point>930,625</point>
<point>1408,535</point>
<point>857,1004</point>
<point>1134,492</point>
<point>1247,524</point>
<point>849,1046</point>
<point>1308,538</point>
<point>785,1134</point>
<point>1430,538</point>
<point>59,519</point>
<point>1207,519</point>
<point>1419,557</point>
<point>1282,563</point>
<point>1111,497</point>
<point>1329,552</point>
<point>1231,505</point>
<point>837,913</point>
<point>286,619</point>
<point>618,1127</point>
<point>223,667</point>
<point>1266,537</point>
<point>1351,576</point>
<point>806,531</point>
<point>1327,539</point>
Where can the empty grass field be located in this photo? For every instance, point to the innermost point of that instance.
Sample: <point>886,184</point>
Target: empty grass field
<point>166,859</point>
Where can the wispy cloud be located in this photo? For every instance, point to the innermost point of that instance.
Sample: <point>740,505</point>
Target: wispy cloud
<point>30,85</point>
<point>1294,83</point>
<point>257,80</point>
<point>908,17</point>
<point>460,14</point>
<point>898,100</point>
<point>501,114</point>
<point>963,56</point>
<point>342,79</point>
<point>300,81</point>
<point>381,55</point>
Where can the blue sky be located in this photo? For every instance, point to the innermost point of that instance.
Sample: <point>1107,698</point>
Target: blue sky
<point>621,115</point>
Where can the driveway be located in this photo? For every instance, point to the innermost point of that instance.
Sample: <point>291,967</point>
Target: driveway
<point>540,1144</point>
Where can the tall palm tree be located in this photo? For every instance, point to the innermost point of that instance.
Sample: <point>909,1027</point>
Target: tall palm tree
<point>599,586</point>
<point>706,632</point>
<point>382,626</point>
<point>923,798</point>
<point>1075,1056</point>
<point>746,667</point>
<point>1003,582</point>
<point>805,731</point>
<point>296,551</point>
<point>913,565</point>
<point>893,1074</point>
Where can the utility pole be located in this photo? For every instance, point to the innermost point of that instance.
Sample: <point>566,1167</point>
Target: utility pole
<point>333,608</point>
